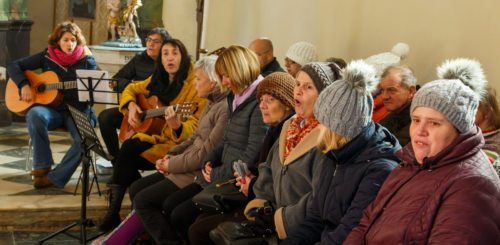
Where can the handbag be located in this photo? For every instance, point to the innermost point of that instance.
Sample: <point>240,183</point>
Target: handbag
<point>219,197</point>
<point>232,233</point>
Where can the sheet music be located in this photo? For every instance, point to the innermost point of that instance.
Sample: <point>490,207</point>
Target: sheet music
<point>102,91</point>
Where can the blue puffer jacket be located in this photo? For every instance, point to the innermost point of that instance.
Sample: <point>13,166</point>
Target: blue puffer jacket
<point>42,61</point>
<point>347,187</point>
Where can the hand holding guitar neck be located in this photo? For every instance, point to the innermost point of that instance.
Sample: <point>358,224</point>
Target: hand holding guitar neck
<point>172,118</point>
<point>134,114</point>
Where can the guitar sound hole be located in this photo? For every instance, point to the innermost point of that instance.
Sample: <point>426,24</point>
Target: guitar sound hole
<point>41,88</point>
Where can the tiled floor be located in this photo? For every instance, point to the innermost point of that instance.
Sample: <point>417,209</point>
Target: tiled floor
<point>28,214</point>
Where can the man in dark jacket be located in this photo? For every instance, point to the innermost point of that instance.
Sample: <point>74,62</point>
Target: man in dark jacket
<point>397,87</point>
<point>138,68</point>
<point>263,47</point>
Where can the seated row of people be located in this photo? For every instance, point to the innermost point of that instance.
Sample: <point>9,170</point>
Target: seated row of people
<point>442,168</point>
<point>352,146</point>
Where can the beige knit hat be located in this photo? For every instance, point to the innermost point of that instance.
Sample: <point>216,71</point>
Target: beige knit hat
<point>302,53</point>
<point>280,86</point>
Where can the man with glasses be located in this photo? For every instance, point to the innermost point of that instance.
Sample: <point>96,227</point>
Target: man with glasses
<point>263,47</point>
<point>137,69</point>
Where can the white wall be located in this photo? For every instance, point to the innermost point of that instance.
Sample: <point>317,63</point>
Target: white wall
<point>435,30</point>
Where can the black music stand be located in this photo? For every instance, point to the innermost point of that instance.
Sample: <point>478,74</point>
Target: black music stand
<point>90,142</point>
<point>94,87</point>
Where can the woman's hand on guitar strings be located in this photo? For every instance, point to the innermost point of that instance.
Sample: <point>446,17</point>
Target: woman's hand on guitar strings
<point>173,120</point>
<point>134,114</point>
<point>26,94</point>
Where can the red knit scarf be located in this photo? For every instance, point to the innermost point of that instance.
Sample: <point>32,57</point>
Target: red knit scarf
<point>295,132</point>
<point>64,59</point>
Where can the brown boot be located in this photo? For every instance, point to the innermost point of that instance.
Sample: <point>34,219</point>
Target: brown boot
<point>40,172</point>
<point>42,182</point>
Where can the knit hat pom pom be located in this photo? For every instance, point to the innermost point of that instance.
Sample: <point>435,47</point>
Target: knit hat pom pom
<point>401,50</point>
<point>466,70</point>
<point>361,75</point>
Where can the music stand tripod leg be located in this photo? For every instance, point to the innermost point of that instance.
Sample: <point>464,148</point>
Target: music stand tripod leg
<point>86,146</point>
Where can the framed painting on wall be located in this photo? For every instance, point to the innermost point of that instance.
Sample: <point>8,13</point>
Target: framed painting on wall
<point>82,9</point>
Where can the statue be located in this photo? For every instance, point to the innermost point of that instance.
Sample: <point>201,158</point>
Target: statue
<point>123,30</point>
<point>113,17</point>
<point>128,18</point>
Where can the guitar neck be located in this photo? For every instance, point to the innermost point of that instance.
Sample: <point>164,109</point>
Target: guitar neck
<point>158,112</point>
<point>61,85</point>
<point>184,109</point>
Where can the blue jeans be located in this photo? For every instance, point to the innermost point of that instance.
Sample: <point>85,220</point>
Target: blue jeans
<point>40,120</point>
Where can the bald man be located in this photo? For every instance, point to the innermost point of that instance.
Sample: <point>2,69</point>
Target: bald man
<point>263,47</point>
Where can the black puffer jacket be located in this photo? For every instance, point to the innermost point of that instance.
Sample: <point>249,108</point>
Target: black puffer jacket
<point>347,187</point>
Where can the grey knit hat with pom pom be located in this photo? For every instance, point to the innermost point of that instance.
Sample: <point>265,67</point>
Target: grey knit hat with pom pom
<point>346,105</point>
<point>456,94</point>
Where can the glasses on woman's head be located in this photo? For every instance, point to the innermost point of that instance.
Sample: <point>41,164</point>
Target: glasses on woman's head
<point>155,41</point>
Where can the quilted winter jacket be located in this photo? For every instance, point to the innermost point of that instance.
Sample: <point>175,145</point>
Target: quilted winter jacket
<point>452,198</point>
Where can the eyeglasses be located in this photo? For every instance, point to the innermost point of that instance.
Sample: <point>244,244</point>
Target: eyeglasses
<point>289,61</point>
<point>155,41</point>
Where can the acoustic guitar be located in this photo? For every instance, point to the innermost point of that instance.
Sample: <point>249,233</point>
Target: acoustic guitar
<point>44,88</point>
<point>152,116</point>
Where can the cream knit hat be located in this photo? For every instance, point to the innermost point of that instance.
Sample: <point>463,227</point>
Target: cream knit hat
<point>302,53</point>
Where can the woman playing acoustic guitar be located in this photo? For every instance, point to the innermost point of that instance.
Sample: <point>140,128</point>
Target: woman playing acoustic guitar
<point>172,82</point>
<point>65,54</point>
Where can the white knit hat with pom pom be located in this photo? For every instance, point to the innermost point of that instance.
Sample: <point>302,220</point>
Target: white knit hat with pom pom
<point>384,60</point>
<point>456,94</point>
<point>346,105</point>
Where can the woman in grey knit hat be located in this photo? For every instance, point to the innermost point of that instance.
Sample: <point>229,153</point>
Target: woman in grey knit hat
<point>445,190</point>
<point>361,157</point>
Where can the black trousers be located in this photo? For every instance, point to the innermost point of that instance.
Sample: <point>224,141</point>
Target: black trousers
<point>129,162</point>
<point>109,121</point>
<point>165,210</point>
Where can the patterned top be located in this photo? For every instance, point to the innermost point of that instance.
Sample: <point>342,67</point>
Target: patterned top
<point>298,128</point>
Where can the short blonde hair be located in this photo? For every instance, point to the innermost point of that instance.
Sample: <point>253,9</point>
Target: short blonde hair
<point>240,64</point>
<point>331,140</point>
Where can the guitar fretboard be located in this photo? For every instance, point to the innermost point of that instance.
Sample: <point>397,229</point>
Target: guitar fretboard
<point>154,112</point>
<point>61,85</point>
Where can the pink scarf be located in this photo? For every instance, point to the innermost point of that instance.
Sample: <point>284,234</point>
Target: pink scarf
<point>65,59</point>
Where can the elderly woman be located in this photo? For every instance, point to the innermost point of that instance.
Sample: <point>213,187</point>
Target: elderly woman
<point>445,190</point>
<point>238,70</point>
<point>275,94</point>
<point>362,153</point>
<point>287,179</point>
<point>182,163</point>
